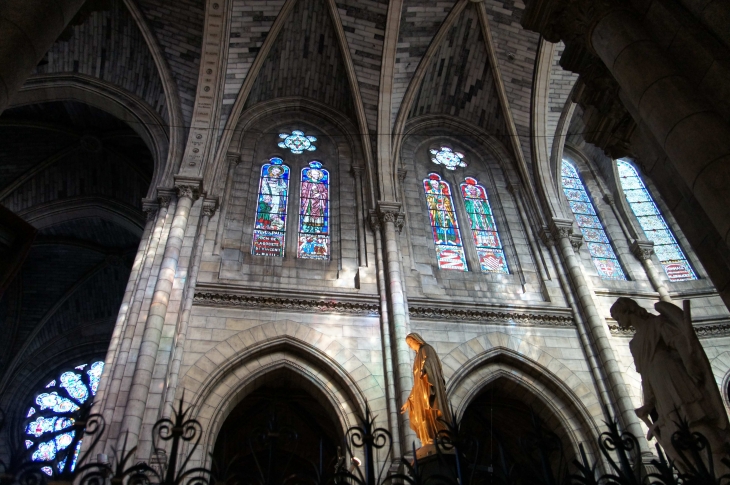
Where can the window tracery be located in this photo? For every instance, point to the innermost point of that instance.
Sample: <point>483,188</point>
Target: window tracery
<point>444,224</point>
<point>269,235</point>
<point>297,142</point>
<point>314,239</point>
<point>483,227</point>
<point>599,246</point>
<point>652,222</point>
<point>448,158</point>
<point>49,429</point>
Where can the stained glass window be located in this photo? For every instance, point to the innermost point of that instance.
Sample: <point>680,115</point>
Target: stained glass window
<point>604,259</point>
<point>270,227</point>
<point>314,239</point>
<point>655,227</point>
<point>444,226</point>
<point>483,227</point>
<point>297,142</point>
<point>448,158</point>
<point>49,433</point>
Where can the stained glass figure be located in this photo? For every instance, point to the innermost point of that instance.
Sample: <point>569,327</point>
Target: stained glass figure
<point>444,226</point>
<point>483,227</point>
<point>314,239</point>
<point>655,227</point>
<point>599,247</point>
<point>297,142</point>
<point>270,227</point>
<point>448,158</point>
<point>49,429</point>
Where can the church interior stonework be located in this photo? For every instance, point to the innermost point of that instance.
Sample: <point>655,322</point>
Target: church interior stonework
<point>280,216</point>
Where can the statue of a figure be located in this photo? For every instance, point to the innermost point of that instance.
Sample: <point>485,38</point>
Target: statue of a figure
<point>427,406</point>
<point>676,377</point>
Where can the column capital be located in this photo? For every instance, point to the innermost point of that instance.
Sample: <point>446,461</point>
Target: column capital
<point>210,206</point>
<point>560,228</point>
<point>164,196</point>
<point>546,236</point>
<point>188,186</point>
<point>576,240</point>
<point>374,220</point>
<point>642,249</point>
<point>391,212</point>
<point>233,158</point>
<point>357,170</point>
<point>402,172</point>
<point>150,207</point>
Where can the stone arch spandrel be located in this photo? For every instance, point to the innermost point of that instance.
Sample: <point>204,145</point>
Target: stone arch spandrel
<point>227,372</point>
<point>473,365</point>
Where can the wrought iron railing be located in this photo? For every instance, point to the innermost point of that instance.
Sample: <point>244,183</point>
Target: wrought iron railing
<point>367,460</point>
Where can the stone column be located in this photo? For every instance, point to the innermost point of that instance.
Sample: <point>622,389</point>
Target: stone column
<point>361,245</point>
<point>187,192</point>
<point>643,251</point>
<point>391,219</point>
<point>694,136</point>
<point>209,207</point>
<point>233,160</point>
<point>28,28</point>
<point>150,208</point>
<point>116,371</point>
<point>562,230</point>
<point>393,408</point>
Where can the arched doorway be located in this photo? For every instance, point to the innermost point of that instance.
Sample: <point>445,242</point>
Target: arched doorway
<point>278,431</point>
<point>518,435</point>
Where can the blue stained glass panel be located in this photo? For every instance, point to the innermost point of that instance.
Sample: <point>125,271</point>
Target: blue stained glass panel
<point>594,235</point>
<point>483,227</point>
<point>314,241</point>
<point>609,269</point>
<point>444,224</point>
<point>492,260</point>
<point>74,386</point>
<point>297,142</point>
<point>581,207</point>
<point>588,221</point>
<point>652,222</point>
<point>47,435</point>
<point>599,246</point>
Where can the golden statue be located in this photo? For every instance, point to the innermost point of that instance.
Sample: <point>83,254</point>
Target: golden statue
<point>427,406</point>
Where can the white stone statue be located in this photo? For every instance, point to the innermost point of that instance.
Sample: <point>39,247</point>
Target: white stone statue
<point>676,378</point>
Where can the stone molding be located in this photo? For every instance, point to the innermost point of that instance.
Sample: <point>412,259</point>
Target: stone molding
<point>491,316</point>
<point>642,249</point>
<point>560,228</point>
<point>706,330</point>
<point>284,303</point>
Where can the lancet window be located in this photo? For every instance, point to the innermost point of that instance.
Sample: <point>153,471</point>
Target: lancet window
<point>314,224</point>
<point>653,224</point>
<point>444,224</point>
<point>49,427</point>
<point>599,246</point>
<point>483,227</point>
<point>269,235</point>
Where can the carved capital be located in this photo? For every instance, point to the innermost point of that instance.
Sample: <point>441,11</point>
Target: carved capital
<point>576,240</point>
<point>164,197</point>
<point>188,187</point>
<point>642,249</point>
<point>560,228</point>
<point>233,158</point>
<point>390,212</point>
<point>357,170</point>
<point>402,172</point>
<point>209,207</point>
<point>546,236</point>
<point>374,220</point>
<point>149,207</point>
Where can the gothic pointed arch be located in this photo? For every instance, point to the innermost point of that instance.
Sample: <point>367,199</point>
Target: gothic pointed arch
<point>229,371</point>
<point>305,56</point>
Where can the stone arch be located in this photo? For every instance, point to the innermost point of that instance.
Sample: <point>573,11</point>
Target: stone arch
<point>116,101</point>
<point>224,375</point>
<point>475,364</point>
<point>721,371</point>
